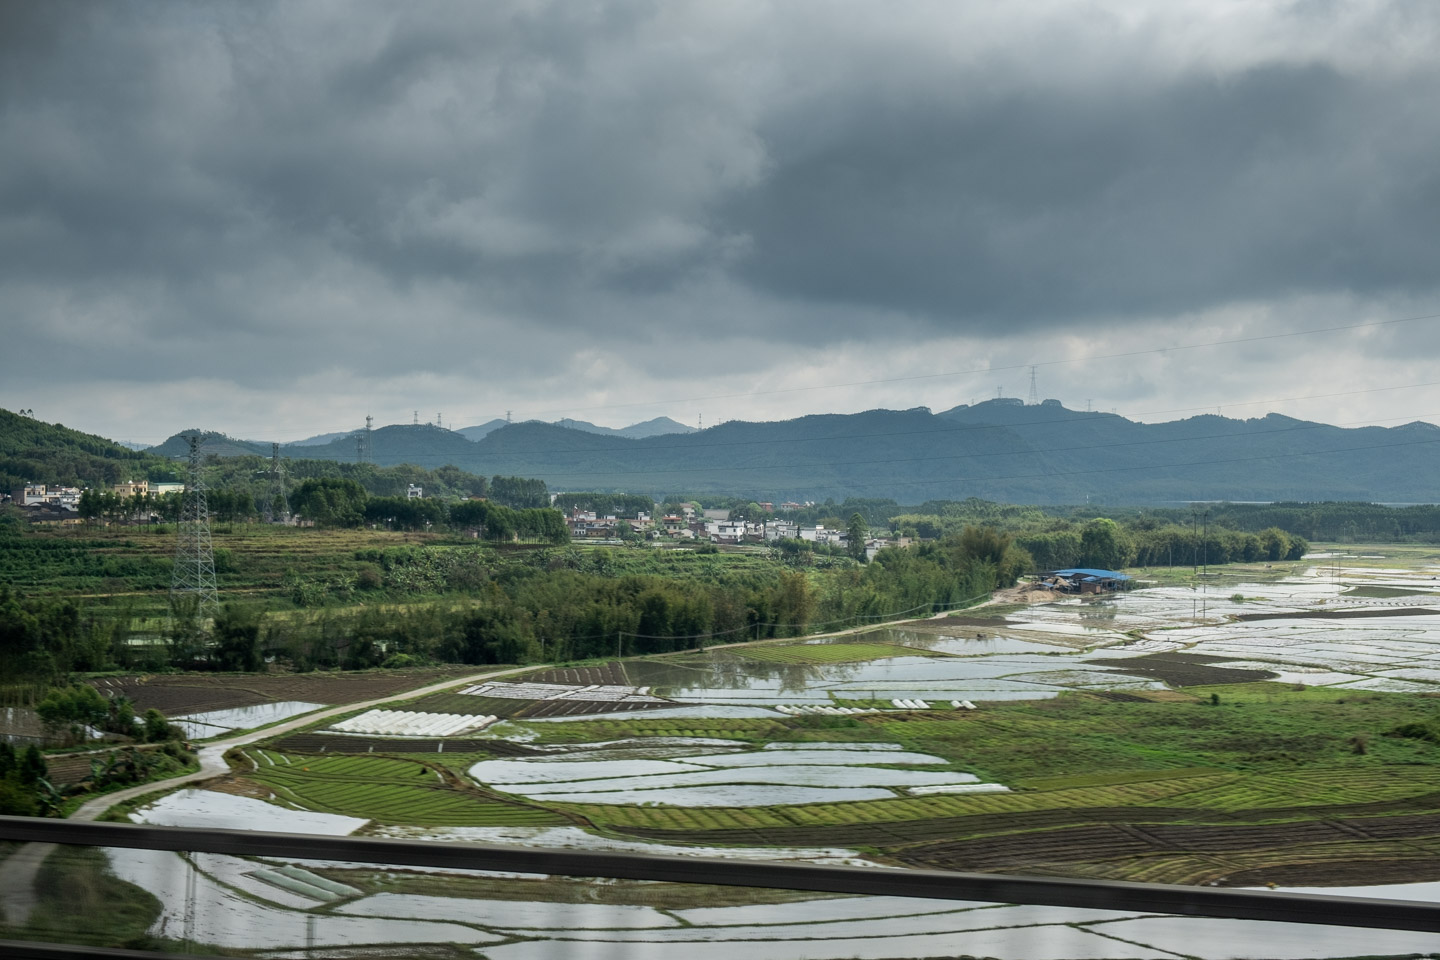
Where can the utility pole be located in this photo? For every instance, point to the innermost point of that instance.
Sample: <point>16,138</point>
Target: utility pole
<point>1194,546</point>
<point>1205,554</point>
<point>194,575</point>
<point>1205,544</point>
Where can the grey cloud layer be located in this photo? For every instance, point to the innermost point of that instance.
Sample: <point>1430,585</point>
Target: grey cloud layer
<point>265,189</point>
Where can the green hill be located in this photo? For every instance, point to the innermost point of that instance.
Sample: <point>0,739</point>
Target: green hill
<point>212,444</point>
<point>35,452</point>
<point>422,444</point>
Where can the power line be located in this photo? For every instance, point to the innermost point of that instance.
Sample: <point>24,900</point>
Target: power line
<point>1141,413</point>
<point>1018,366</point>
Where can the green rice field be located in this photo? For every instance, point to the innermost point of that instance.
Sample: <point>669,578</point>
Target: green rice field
<point>387,790</point>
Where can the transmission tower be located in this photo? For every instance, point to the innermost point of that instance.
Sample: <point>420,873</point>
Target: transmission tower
<point>194,576</point>
<point>1034,397</point>
<point>359,448</point>
<point>277,505</point>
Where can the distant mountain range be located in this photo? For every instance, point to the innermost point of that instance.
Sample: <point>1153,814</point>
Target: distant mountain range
<point>636,431</point>
<point>1001,449</point>
<point>229,446</point>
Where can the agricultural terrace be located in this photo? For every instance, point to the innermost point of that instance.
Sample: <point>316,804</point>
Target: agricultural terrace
<point>1271,781</point>
<point>1197,753</point>
<point>182,694</point>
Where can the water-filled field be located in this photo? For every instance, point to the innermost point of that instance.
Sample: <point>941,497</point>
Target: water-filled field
<point>1236,734</point>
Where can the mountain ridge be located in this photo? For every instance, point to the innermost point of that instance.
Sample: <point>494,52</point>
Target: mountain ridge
<point>999,450</point>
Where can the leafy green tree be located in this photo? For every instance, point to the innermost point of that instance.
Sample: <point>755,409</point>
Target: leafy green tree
<point>519,492</point>
<point>1104,545</point>
<point>72,709</point>
<point>855,534</point>
<point>32,767</point>
<point>237,639</point>
<point>330,502</point>
<point>157,728</point>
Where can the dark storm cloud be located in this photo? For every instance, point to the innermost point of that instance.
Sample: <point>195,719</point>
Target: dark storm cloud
<point>261,190</point>
<point>1161,199</point>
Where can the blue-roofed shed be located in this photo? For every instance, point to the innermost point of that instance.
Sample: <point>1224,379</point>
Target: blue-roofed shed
<point>1086,580</point>
<point>1091,572</point>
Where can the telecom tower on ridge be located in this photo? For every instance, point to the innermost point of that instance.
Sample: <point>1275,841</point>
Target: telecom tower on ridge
<point>1034,397</point>
<point>194,576</point>
<point>277,505</point>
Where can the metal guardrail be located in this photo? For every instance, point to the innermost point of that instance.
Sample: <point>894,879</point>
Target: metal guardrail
<point>925,884</point>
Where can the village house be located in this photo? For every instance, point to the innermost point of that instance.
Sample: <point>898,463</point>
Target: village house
<point>131,488</point>
<point>34,494</point>
<point>585,523</point>
<point>781,530</point>
<point>725,531</point>
<point>51,514</point>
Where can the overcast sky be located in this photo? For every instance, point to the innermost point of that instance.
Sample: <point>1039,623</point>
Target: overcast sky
<point>271,219</point>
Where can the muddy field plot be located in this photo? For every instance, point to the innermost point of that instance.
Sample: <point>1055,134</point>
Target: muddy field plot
<point>1369,613</point>
<point>199,693</point>
<point>605,674</point>
<point>469,704</point>
<point>526,709</point>
<point>1184,669</point>
<point>1208,852</point>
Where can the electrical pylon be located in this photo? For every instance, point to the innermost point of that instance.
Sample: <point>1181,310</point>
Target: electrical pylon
<point>277,505</point>
<point>194,576</point>
<point>1034,398</point>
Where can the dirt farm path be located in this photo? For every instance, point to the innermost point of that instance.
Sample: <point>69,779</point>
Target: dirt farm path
<point>18,871</point>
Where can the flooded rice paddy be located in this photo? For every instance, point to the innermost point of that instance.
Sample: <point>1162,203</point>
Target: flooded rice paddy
<point>1370,627</point>
<point>214,723</point>
<point>708,778</point>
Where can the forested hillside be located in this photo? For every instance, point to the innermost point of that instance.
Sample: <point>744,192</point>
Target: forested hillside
<point>35,452</point>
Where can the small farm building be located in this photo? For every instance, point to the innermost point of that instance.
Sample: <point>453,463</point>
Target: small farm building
<point>1086,580</point>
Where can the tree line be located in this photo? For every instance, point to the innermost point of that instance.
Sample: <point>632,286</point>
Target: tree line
<point>565,605</point>
<point>545,604</point>
<point>339,502</point>
<point>1105,544</point>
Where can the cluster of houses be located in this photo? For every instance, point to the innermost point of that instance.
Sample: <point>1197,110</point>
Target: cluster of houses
<point>712,525</point>
<point>50,504</point>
